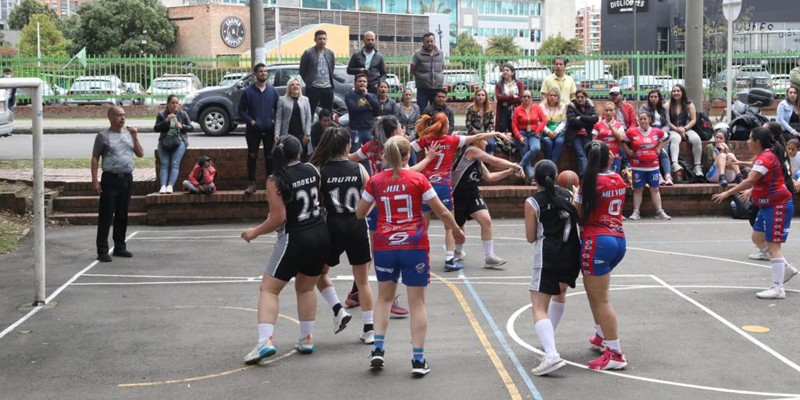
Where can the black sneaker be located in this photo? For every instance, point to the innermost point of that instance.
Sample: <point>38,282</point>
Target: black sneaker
<point>123,253</point>
<point>104,257</point>
<point>419,368</point>
<point>376,359</point>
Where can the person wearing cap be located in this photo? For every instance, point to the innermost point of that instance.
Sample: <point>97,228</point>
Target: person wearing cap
<point>626,115</point>
<point>560,80</point>
<point>12,93</point>
<point>440,105</point>
<point>794,75</point>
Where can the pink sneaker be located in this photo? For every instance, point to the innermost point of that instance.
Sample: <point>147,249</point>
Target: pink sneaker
<point>352,300</point>
<point>597,343</point>
<point>611,359</point>
<point>397,309</point>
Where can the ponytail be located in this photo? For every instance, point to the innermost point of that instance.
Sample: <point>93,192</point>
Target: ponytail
<point>596,161</point>
<point>332,144</point>
<point>544,173</point>
<point>395,151</point>
<point>766,138</point>
<point>286,150</point>
<point>384,129</point>
<point>436,124</point>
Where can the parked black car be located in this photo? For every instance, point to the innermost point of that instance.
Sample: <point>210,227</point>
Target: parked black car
<point>214,108</point>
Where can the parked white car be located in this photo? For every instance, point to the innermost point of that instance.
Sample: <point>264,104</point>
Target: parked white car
<point>177,84</point>
<point>94,87</point>
<point>6,116</point>
<point>231,78</point>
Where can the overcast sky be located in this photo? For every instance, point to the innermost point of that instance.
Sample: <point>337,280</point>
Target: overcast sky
<point>581,3</point>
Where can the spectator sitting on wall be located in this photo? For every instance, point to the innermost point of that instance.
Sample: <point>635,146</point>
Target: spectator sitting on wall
<point>440,105</point>
<point>789,113</point>
<point>201,179</point>
<point>555,114</point>
<point>581,118</point>
<point>719,162</point>
<point>559,79</point>
<point>480,118</point>
<point>660,118</point>
<point>682,120</point>
<point>173,126</point>
<point>368,61</point>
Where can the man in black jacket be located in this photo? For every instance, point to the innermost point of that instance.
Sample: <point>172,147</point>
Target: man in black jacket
<point>440,105</point>
<point>316,69</point>
<point>368,62</point>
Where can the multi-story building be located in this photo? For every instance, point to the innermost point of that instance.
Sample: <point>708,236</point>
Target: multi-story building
<point>588,28</point>
<point>6,6</point>
<point>63,7</point>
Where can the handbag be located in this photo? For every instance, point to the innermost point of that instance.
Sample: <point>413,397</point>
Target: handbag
<point>172,139</point>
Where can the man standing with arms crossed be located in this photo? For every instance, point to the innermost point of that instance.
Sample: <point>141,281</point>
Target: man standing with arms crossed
<point>427,68</point>
<point>116,145</point>
<point>368,62</point>
<point>257,107</point>
<point>316,69</point>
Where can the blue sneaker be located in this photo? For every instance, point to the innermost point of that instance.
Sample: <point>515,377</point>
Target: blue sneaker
<point>261,351</point>
<point>305,345</point>
<point>452,265</point>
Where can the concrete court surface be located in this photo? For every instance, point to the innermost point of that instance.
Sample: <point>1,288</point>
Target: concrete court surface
<point>176,320</point>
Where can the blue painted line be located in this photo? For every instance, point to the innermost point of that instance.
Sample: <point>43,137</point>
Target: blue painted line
<point>500,337</point>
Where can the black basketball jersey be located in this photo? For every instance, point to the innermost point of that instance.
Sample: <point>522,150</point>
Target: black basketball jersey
<point>303,210</point>
<point>466,174</point>
<point>342,183</point>
<point>559,231</point>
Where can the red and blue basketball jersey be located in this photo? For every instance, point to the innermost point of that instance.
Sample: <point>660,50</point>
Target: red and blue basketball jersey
<point>606,218</point>
<point>605,135</point>
<point>770,189</point>
<point>401,225</point>
<point>645,147</point>
<point>439,170</point>
<point>374,154</point>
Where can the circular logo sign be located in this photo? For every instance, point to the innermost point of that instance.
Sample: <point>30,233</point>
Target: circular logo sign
<point>232,31</point>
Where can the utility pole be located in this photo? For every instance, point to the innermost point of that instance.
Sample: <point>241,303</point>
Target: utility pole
<point>694,51</point>
<point>257,51</point>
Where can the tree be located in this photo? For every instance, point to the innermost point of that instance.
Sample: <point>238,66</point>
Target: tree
<point>123,27</point>
<point>500,46</point>
<point>466,45</point>
<point>559,46</point>
<point>69,26</point>
<point>21,14</point>
<point>51,40</point>
<point>434,7</point>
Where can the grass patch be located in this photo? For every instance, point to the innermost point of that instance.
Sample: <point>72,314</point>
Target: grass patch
<point>144,162</point>
<point>11,231</point>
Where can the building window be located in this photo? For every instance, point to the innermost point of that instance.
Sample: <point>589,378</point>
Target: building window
<point>662,40</point>
<point>369,5</point>
<point>397,6</point>
<point>343,4</point>
<point>323,4</point>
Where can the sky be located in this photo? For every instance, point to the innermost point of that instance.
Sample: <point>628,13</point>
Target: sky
<point>580,3</point>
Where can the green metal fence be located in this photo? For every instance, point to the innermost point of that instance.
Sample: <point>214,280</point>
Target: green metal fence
<point>636,74</point>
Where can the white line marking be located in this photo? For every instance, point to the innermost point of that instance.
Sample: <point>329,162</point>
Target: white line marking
<point>727,323</point>
<point>170,276</point>
<point>701,256</point>
<point>513,333</point>
<point>55,294</point>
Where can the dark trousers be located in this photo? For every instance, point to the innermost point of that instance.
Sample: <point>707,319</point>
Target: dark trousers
<point>321,97</point>
<point>254,140</point>
<point>114,200</point>
<point>425,96</point>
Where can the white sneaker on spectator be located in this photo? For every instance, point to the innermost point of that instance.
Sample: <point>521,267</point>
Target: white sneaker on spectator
<point>661,181</point>
<point>459,255</point>
<point>698,170</point>
<point>635,216</point>
<point>169,189</point>
<point>789,272</point>
<point>163,189</point>
<point>775,291</point>
<point>676,167</point>
<point>761,254</point>
<point>660,214</point>
<point>668,180</point>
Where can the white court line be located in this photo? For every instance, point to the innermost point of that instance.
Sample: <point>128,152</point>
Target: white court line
<point>701,256</point>
<point>513,333</point>
<point>727,323</point>
<point>171,276</point>
<point>55,294</point>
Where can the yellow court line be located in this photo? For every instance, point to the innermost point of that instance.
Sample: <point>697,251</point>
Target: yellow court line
<point>220,374</point>
<point>487,346</point>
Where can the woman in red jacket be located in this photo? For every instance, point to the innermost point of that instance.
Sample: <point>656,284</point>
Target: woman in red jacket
<point>201,179</point>
<point>508,93</point>
<point>527,124</point>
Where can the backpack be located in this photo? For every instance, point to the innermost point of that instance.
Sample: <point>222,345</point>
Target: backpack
<point>704,126</point>
<point>688,172</point>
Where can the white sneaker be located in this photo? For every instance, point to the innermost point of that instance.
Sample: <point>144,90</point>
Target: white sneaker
<point>775,291</point>
<point>163,189</point>
<point>761,254</point>
<point>698,170</point>
<point>548,366</point>
<point>459,255</point>
<point>169,189</point>
<point>340,320</point>
<point>305,345</point>
<point>676,167</point>
<point>262,350</point>
<point>789,272</point>
<point>494,262</point>
<point>660,214</point>
<point>635,216</point>
<point>368,337</point>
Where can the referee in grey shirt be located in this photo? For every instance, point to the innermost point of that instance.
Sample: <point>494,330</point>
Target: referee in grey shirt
<point>117,146</point>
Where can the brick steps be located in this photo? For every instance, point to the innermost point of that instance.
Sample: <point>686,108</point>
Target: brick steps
<point>90,204</point>
<point>134,218</point>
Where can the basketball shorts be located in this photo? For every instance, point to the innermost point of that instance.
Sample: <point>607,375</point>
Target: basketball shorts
<point>600,254</point>
<point>300,252</point>
<point>775,221</point>
<point>349,237</point>
<point>445,194</point>
<point>413,265</point>
<point>464,206</point>
<point>642,178</point>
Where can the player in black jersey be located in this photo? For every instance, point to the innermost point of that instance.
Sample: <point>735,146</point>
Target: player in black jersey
<point>302,247</point>
<point>342,183</point>
<point>468,171</point>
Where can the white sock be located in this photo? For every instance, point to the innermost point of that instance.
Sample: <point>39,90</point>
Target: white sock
<point>449,255</point>
<point>265,331</point>
<point>555,311</point>
<point>778,267</point>
<point>329,294</point>
<point>614,345</point>
<point>367,316</point>
<point>306,328</point>
<point>459,247</point>
<point>488,248</point>
<point>544,328</point>
<point>599,331</point>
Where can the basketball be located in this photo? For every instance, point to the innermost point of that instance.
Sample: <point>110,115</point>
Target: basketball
<point>567,179</point>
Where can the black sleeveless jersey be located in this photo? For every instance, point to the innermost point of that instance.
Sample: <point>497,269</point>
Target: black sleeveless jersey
<point>466,175</point>
<point>342,183</point>
<point>561,245</point>
<point>303,210</point>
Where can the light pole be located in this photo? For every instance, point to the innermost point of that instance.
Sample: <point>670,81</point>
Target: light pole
<point>730,9</point>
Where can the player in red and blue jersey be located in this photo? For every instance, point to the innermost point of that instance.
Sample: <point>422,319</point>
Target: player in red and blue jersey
<point>772,193</point>
<point>600,202</point>
<point>645,143</point>
<point>432,130</point>
<point>401,244</point>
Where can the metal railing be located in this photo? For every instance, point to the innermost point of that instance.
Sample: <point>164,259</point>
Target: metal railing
<point>635,73</point>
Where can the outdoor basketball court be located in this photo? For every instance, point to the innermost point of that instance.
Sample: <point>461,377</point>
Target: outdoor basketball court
<point>176,320</point>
